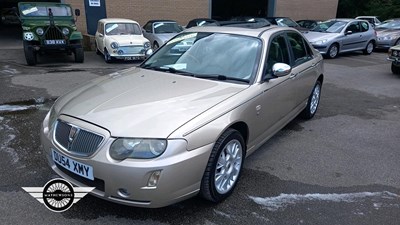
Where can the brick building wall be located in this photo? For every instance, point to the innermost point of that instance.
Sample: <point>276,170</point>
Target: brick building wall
<point>143,10</point>
<point>307,9</point>
<point>184,10</point>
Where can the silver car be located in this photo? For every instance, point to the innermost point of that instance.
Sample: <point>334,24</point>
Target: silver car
<point>160,31</point>
<point>342,35</point>
<point>183,122</point>
<point>388,34</point>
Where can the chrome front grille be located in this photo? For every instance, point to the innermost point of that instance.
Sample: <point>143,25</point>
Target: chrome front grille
<point>135,49</point>
<point>76,140</point>
<point>53,34</point>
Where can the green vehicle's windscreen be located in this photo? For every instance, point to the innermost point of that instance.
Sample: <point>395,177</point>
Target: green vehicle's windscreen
<point>36,11</point>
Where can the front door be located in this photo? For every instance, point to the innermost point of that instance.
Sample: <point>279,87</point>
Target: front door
<point>95,10</point>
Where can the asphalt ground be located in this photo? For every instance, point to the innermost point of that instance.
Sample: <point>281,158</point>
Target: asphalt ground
<point>341,167</point>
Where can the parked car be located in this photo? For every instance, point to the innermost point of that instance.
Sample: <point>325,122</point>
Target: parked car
<point>160,31</point>
<point>181,124</point>
<point>9,16</point>
<point>371,19</point>
<point>199,22</point>
<point>308,24</point>
<point>388,34</point>
<point>394,57</point>
<point>342,35</point>
<point>285,22</point>
<point>117,38</point>
<point>49,26</point>
<point>252,22</point>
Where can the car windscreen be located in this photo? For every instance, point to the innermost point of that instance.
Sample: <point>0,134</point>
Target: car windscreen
<point>37,11</point>
<point>166,27</point>
<point>331,26</point>
<point>395,24</point>
<point>207,55</point>
<point>122,29</point>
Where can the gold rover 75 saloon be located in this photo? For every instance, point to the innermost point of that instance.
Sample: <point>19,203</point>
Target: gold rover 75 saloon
<point>182,123</point>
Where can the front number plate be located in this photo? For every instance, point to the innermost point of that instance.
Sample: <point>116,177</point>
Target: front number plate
<point>55,42</point>
<point>81,169</point>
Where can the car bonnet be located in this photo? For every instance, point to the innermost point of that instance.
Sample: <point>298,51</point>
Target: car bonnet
<point>144,103</point>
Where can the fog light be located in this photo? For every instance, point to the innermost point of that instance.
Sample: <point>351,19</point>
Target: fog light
<point>123,193</point>
<point>120,52</point>
<point>153,179</point>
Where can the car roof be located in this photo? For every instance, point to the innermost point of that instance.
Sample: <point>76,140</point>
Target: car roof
<point>366,17</point>
<point>156,21</point>
<point>252,32</point>
<point>344,20</point>
<point>117,20</point>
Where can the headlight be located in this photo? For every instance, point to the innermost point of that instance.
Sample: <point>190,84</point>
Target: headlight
<point>114,45</point>
<point>147,45</point>
<point>320,42</point>
<point>137,148</point>
<point>395,53</point>
<point>65,31</point>
<point>39,31</point>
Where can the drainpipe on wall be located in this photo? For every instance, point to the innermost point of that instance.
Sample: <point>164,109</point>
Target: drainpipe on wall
<point>271,8</point>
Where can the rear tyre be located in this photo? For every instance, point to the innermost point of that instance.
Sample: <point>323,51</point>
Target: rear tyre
<point>395,69</point>
<point>224,166</point>
<point>30,55</point>
<point>97,49</point>
<point>333,51</point>
<point>79,55</point>
<point>313,102</point>
<point>369,48</point>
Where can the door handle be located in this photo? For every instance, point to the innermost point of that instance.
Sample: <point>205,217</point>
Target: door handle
<point>293,75</point>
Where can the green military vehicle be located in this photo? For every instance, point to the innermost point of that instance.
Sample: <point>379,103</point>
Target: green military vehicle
<point>394,57</point>
<point>48,26</point>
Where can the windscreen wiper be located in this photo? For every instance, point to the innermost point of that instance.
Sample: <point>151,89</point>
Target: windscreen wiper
<point>221,77</point>
<point>169,69</point>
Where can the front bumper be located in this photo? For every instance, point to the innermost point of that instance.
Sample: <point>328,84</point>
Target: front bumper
<point>126,182</point>
<point>321,48</point>
<point>384,44</point>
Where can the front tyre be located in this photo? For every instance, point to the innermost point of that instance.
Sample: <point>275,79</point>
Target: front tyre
<point>79,55</point>
<point>333,51</point>
<point>395,69</point>
<point>313,102</point>
<point>30,55</point>
<point>369,48</point>
<point>224,166</point>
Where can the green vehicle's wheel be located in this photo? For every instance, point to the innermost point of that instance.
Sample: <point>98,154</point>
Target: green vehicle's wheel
<point>395,69</point>
<point>79,55</point>
<point>30,54</point>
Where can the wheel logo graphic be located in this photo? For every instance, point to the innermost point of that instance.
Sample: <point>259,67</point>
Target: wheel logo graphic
<point>58,195</point>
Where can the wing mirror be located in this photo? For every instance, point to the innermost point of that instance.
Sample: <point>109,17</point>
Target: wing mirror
<point>349,32</point>
<point>281,69</point>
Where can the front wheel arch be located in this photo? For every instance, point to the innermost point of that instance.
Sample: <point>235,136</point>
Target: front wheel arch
<point>331,47</point>
<point>223,167</point>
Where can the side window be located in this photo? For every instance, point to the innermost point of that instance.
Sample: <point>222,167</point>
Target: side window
<point>364,26</point>
<point>354,27</point>
<point>277,53</point>
<point>301,51</point>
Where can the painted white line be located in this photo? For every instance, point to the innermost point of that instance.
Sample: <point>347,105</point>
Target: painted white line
<point>284,200</point>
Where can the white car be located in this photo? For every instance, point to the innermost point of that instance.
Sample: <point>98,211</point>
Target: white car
<point>120,39</point>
